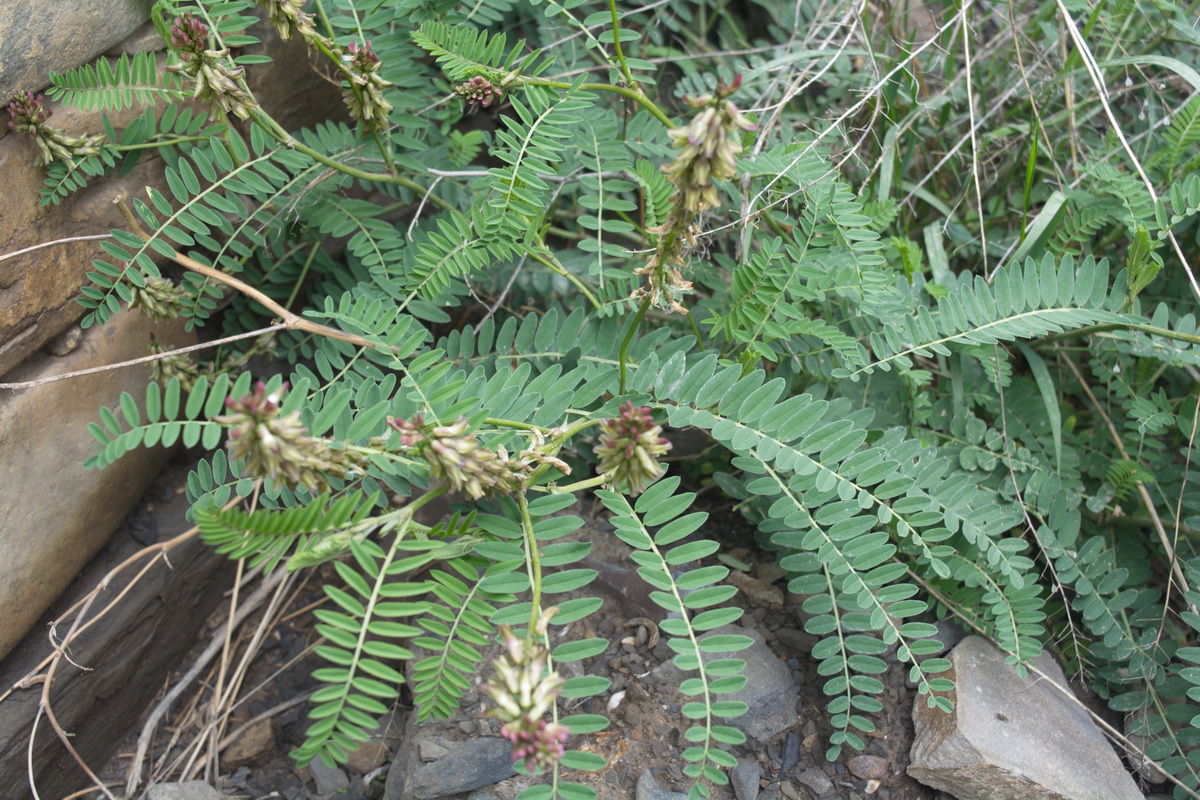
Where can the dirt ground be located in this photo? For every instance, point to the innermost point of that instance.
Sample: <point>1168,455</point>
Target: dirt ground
<point>646,727</point>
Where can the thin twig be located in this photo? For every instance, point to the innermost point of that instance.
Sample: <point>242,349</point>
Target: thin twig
<point>143,359</point>
<point>1147,501</point>
<point>68,240</point>
<point>290,320</point>
<point>1093,69</point>
<point>256,599</point>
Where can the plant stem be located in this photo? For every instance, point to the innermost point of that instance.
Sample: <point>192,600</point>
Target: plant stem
<point>633,326</point>
<point>277,133</point>
<point>1150,330</point>
<point>586,483</point>
<point>534,563</point>
<point>612,6</point>
<point>555,267</point>
<point>126,148</point>
<point>632,94</point>
<point>303,273</point>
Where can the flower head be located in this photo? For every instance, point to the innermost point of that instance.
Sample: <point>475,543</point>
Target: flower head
<point>524,691</point>
<point>364,96</point>
<point>479,90</point>
<point>288,16</point>
<point>630,447</point>
<point>707,151</point>
<point>455,455</point>
<point>159,298</point>
<point>28,114</point>
<point>217,83</point>
<point>178,366</point>
<point>278,446</point>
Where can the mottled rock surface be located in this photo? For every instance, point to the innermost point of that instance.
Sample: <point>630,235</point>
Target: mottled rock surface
<point>40,36</point>
<point>1013,739</point>
<point>57,514</point>
<point>464,766</point>
<point>129,653</point>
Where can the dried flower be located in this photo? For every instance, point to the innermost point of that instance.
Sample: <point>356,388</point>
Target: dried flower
<point>524,691</point>
<point>479,90</point>
<point>708,152</point>
<point>158,299</point>
<point>279,447</point>
<point>28,114</point>
<point>708,149</point>
<point>456,456</point>
<point>364,96</point>
<point>217,83</point>
<point>179,366</point>
<point>288,16</point>
<point>630,447</point>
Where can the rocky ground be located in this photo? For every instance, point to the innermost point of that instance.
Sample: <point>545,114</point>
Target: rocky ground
<point>463,759</point>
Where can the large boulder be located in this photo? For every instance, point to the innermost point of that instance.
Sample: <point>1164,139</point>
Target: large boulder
<point>57,514</point>
<point>1012,738</point>
<point>40,36</point>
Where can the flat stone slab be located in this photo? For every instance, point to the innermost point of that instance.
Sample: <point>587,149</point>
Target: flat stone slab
<point>1013,739</point>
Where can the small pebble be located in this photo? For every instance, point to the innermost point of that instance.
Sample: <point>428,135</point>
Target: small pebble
<point>868,767</point>
<point>745,777</point>
<point>816,780</point>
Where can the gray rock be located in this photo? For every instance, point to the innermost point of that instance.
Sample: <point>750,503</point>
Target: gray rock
<point>744,778</point>
<point>868,767</point>
<point>328,779</point>
<point>57,514</point>
<point>1013,739</point>
<point>482,794</point>
<point>816,780</point>
<point>770,692</point>
<point>647,789</point>
<point>131,652</point>
<point>38,36</point>
<point>465,766</point>
<point>188,790</point>
<point>791,753</point>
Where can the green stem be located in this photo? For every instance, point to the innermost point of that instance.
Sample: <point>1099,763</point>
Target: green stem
<point>125,148</point>
<point>303,274</point>
<point>587,483</point>
<point>534,563</point>
<point>1117,326</point>
<point>555,267</point>
<point>633,326</point>
<point>272,128</point>
<point>632,94</point>
<point>695,328</point>
<point>612,6</point>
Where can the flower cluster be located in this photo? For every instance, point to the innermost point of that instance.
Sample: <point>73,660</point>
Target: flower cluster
<point>523,695</point>
<point>708,152</point>
<point>279,447</point>
<point>28,114</point>
<point>364,96</point>
<point>630,447</point>
<point>178,366</point>
<point>456,456</point>
<point>479,90</point>
<point>158,298</point>
<point>217,83</point>
<point>288,16</point>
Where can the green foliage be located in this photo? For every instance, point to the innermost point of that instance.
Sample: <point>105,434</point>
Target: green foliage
<point>113,86</point>
<point>945,373</point>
